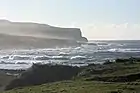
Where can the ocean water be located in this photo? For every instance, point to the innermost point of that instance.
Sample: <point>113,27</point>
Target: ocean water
<point>92,52</point>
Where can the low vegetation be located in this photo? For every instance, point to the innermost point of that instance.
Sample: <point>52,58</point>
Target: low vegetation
<point>79,87</point>
<point>120,76</point>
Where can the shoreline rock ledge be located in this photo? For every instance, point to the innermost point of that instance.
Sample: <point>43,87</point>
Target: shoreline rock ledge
<point>36,35</point>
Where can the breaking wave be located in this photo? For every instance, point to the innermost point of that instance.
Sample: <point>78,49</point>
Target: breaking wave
<point>92,52</point>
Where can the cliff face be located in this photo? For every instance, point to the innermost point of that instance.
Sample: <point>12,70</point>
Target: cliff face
<point>28,42</point>
<point>34,35</point>
<point>40,30</point>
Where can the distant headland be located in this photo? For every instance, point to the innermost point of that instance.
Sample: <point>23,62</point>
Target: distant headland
<point>35,35</point>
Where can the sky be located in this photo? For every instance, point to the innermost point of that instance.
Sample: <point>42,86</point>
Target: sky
<point>97,19</point>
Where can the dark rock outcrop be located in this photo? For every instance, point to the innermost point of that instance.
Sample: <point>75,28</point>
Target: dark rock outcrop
<point>40,74</point>
<point>124,78</point>
<point>41,31</point>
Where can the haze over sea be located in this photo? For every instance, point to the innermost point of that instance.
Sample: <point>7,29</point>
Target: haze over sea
<point>93,52</point>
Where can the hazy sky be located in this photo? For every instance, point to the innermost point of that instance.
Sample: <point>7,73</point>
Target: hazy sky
<point>98,19</point>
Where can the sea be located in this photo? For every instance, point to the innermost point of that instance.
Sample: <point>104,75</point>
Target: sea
<point>95,51</point>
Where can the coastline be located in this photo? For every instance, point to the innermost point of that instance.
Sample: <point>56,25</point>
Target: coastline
<point>122,72</point>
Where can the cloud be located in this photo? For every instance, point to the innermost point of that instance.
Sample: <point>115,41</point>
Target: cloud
<point>112,31</point>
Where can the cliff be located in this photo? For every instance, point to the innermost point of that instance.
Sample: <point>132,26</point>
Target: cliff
<point>35,35</point>
<point>40,30</point>
<point>28,42</point>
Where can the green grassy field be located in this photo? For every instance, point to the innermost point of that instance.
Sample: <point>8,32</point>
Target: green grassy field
<point>80,87</point>
<point>122,77</point>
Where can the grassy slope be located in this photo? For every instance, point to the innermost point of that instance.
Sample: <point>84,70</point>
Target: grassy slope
<point>81,85</point>
<point>124,69</point>
<point>111,70</point>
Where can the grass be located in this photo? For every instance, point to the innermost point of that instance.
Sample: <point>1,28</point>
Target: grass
<point>79,87</point>
<point>85,82</point>
<point>116,72</point>
<point>115,69</point>
<point>124,69</point>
